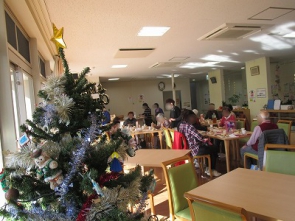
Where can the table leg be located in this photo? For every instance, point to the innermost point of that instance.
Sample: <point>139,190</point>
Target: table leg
<point>160,138</point>
<point>226,146</point>
<point>152,141</point>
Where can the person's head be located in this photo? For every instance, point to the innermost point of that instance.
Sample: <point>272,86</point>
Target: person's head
<point>169,104</point>
<point>226,111</point>
<point>188,116</point>
<point>160,118</point>
<point>211,106</point>
<point>262,116</point>
<point>230,107</point>
<point>195,111</point>
<point>115,125</point>
<point>145,105</point>
<point>130,115</point>
<point>155,105</point>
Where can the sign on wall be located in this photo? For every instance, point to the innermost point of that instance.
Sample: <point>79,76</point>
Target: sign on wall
<point>261,93</point>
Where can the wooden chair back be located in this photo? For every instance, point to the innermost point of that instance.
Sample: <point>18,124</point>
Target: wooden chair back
<point>205,209</point>
<point>179,179</point>
<point>168,138</point>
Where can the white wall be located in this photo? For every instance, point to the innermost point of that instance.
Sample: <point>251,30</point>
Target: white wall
<point>120,92</point>
<point>258,81</point>
<point>286,73</point>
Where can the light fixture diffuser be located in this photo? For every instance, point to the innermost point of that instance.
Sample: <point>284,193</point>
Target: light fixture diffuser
<point>113,79</point>
<point>153,31</point>
<point>119,66</point>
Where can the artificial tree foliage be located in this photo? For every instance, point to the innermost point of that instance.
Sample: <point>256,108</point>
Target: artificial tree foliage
<point>66,127</point>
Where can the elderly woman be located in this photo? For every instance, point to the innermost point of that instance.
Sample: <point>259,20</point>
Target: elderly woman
<point>161,122</point>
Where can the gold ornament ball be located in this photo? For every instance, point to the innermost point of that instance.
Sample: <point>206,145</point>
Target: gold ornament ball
<point>12,194</point>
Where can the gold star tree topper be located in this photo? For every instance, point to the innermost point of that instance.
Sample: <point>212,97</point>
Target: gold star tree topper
<point>57,38</point>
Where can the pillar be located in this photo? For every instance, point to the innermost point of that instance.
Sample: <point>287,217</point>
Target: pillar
<point>254,82</point>
<point>216,90</point>
<point>7,128</point>
<point>173,88</point>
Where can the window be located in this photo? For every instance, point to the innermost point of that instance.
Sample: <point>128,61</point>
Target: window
<point>10,29</point>
<point>16,38</point>
<point>42,67</point>
<point>23,45</point>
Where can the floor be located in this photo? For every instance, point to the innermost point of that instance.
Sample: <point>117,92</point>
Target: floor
<point>161,196</point>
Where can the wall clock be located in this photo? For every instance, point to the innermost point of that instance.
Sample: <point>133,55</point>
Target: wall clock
<point>161,86</point>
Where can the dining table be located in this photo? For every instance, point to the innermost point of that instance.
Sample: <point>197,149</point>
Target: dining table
<point>264,195</point>
<point>222,134</point>
<point>151,131</point>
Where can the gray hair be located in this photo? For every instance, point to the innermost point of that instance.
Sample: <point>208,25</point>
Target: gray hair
<point>160,115</point>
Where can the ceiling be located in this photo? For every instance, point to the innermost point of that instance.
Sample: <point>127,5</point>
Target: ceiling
<point>95,30</point>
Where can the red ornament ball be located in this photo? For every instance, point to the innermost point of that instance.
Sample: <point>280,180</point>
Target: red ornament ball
<point>12,194</point>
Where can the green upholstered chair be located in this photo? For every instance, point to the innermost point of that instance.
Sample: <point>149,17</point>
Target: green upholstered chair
<point>286,126</point>
<point>179,179</point>
<point>205,210</point>
<point>168,139</point>
<point>279,160</point>
<point>240,123</point>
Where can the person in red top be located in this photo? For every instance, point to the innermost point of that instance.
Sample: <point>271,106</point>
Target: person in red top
<point>227,116</point>
<point>252,145</point>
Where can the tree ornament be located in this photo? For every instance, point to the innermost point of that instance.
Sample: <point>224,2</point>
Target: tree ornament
<point>47,168</point>
<point>3,180</point>
<point>96,187</point>
<point>57,38</point>
<point>12,194</point>
<point>115,161</point>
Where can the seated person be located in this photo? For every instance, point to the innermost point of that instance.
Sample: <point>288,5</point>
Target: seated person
<point>161,122</point>
<point>130,121</point>
<point>227,116</point>
<point>211,111</point>
<point>114,128</point>
<point>252,145</point>
<point>158,110</point>
<point>231,109</point>
<point>197,124</point>
<point>195,140</point>
<point>107,116</point>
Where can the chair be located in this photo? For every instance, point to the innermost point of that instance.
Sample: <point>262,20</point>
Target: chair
<point>277,160</point>
<point>168,138</point>
<point>201,161</point>
<point>171,131</point>
<point>179,179</point>
<point>203,210</point>
<point>240,123</point>
<point>286,126</point>
<point>277,136</point>
<point>245,140</point>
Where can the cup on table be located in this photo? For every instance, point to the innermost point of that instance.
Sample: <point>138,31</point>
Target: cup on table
<point>150,127</point>
<point>243,131</point>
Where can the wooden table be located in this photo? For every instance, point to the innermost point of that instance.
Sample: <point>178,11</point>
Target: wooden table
<point>268,196</point>
<point>154,158</point>
<point>227,140</point>
<point>151,132</point>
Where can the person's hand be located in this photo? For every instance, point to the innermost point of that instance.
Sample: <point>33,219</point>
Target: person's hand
<point>243,147</point>
<point>171,119</point>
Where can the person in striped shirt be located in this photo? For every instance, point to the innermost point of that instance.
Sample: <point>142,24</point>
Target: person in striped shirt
<point>147,114</point>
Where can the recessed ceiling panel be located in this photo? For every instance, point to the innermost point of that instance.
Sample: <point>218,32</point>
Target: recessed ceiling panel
<point>271,13</point>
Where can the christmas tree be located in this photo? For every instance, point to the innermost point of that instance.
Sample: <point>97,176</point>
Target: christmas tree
<point>69,166</point>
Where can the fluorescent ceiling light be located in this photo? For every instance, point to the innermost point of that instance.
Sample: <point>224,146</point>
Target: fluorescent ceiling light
<point>119,66</point>
<point>153,31</point>
<point>168,76</point>
<point>242,68</point>
<point>218,58</point>
<point>113,79</point>
<point>192,65</point>
<point>290,35</point>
